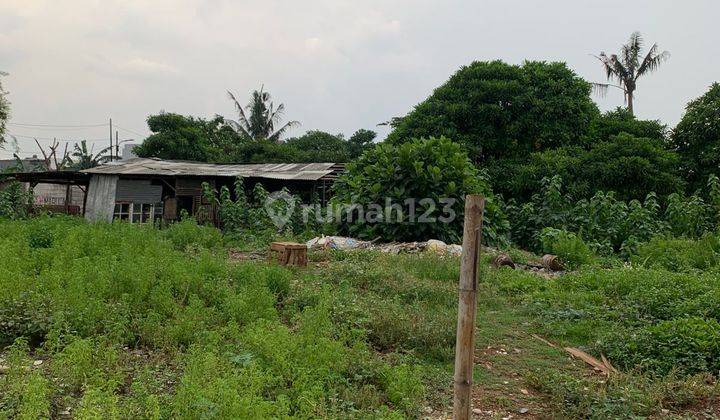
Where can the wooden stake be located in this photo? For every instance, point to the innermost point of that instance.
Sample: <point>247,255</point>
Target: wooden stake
<point>467,306</point>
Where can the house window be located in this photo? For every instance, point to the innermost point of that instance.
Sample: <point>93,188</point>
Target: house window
<point>122,211</point>
<point>138,212</point>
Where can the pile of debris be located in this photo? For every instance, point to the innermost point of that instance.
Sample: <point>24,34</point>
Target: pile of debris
<point>549,266</point>
<point>344,243</point>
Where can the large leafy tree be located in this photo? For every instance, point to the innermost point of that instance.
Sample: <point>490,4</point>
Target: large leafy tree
<point>188,138</point>
<point>360,141</point>
<point>260,119</point>
<point>631,166</point>
<point>697,138</point>
<point>521,178</point>
<point>620,120</point>
<point>628,66</point>
<point>500,111</point>
<point>4,110</point>
<point>319,146</point>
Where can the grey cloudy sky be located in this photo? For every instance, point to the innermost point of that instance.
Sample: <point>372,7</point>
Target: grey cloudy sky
<point>337,65</point>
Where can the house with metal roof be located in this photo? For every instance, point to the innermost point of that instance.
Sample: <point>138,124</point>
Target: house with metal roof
<point>146,190</point>
<point>143,190</point>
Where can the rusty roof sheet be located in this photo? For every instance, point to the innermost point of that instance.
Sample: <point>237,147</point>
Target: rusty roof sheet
<point>157,167</point>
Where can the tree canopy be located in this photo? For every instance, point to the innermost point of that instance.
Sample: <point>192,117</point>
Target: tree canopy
<point>4,109</point>
<point>179,137</point>
<point>618,153</point>
<point>696,138</point>
<point>631,166</point>
<point>499,110</point>
<point>188,138</point>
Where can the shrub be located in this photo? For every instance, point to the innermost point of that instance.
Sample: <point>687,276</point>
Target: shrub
<point>676,254</point>
<point>14,201</point>
<point>606,224</point>
<point>431,170</point>
<point>188,234</point>
<point>689,217</point>
<point>566,245</point>
<point>246,215</point>
<point>404,387</point>
<point>683,345</point>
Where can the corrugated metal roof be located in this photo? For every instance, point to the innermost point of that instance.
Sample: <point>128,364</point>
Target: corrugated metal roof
<point>157,167</point>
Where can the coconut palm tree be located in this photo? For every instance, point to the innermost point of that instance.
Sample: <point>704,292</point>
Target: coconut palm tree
<point>627,68</point>
<point>260,117</point>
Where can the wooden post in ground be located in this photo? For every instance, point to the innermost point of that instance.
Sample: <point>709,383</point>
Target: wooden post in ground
<point>467,306</point>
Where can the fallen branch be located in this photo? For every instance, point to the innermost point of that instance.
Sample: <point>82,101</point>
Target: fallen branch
<point>603,366</point>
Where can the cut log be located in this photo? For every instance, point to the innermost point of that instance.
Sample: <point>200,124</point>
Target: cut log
<point>552,262</point>
<point>288,253</point>
<point>502,260</point>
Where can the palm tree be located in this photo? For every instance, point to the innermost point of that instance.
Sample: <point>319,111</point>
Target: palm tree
<point>258,120</point>
<point>84,158</point>
<point>627,68</point>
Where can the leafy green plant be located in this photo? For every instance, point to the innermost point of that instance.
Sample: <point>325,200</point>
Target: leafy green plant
<point>24,391</point>
<point>187,233</point>
<point>429,172</point>
<point>689,217</point>
<point>15,201</point>
<point>677,254</point>
<point>566,245</point>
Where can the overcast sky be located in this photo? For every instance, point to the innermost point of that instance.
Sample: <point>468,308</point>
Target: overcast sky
<point>337,65</point>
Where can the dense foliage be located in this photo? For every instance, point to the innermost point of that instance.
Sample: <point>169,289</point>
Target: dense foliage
<point>630,166</point>
<point>620,120</point>
<point>15,200</point>
<point>4,110</point>
<point>188,138</point>
<point>498,110</point>
<point>126,321</point>
<point>424,171</point>
<point>610,225</point>
<point>135,322</point>
<point>697,137</point>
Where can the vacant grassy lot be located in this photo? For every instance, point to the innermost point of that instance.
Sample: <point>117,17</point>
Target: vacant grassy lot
<point>120,321</point>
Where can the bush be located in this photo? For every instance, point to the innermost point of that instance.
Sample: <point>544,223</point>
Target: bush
<point>683,345</point>
<point>435,170</point>
<point>608,225</point>
<point>188,234</point>
<point>677,254</point>
<point>566,245</point>
<point>14,201</point>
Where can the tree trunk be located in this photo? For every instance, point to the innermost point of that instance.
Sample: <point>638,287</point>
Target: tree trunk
<point>630,102</point>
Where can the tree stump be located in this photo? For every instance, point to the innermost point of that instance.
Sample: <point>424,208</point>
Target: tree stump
<point>552,262</point>
<point>288,253</point>
<point>502,260</point>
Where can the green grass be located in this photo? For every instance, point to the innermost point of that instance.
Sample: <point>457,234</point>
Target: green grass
<point>134,322</point>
